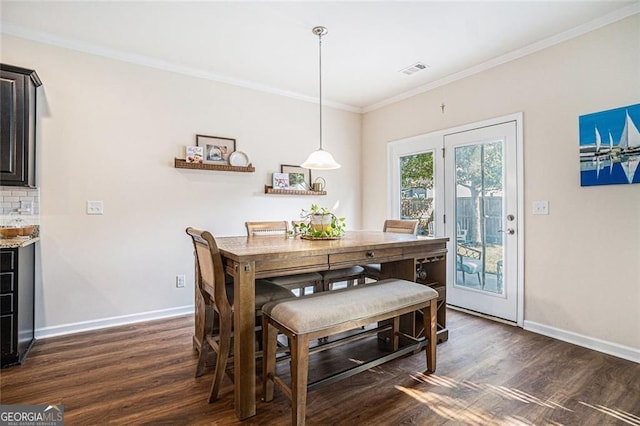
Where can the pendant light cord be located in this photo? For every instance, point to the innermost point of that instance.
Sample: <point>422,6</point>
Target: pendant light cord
<point>320,80</point>
<point>320,159</point>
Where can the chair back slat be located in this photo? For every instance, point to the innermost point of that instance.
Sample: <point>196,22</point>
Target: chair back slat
<point>210,270</point>
<point>401,226</point>
<point>255,229</point>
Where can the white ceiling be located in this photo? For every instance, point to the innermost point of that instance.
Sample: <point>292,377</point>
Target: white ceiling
<point>269,45</point>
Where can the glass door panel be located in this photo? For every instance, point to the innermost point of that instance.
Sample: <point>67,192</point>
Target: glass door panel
<point>478,212</point>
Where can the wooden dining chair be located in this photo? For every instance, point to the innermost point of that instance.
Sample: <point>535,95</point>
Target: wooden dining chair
<point>256,229</point>
<point>218,304</point>
<point>395,226</point>
<point>299,282</point>
<point>352,275</point>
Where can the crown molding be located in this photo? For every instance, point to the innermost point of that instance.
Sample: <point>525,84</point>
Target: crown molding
<point>516,54</point>
<point>94,49</point>
<point>147,61</point>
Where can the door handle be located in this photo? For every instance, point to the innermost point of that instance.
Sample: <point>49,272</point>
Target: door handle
<point>509,231</point>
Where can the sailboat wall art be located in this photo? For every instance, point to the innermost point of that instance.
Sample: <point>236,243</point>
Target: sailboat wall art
<point>610,146</point>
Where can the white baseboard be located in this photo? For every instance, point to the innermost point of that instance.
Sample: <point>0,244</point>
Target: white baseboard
<point>59,330</point>
<point>625,352</point>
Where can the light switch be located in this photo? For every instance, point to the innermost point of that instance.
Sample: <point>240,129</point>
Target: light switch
<point>540,207</point>
<point>95,207</point>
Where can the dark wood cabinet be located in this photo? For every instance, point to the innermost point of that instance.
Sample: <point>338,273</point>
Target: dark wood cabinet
<point>17,278</point>
<point>17,125</point>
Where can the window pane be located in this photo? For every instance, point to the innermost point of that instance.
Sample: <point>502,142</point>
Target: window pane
<point>416,192</point>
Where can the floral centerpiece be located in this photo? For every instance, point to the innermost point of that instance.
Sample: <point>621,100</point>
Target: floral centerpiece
<point>322,224</point>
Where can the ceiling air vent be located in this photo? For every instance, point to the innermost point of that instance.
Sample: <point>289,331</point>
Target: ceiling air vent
<point>412,69</point>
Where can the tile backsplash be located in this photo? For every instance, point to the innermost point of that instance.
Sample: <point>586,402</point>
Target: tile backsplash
<point>15,198</point>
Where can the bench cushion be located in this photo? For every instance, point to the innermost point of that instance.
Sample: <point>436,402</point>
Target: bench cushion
<point>324,310</point>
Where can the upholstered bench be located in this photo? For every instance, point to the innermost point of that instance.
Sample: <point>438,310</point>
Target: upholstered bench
<point>325,314</point>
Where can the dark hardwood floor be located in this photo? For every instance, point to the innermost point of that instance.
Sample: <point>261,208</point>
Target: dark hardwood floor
<point>488,373</point>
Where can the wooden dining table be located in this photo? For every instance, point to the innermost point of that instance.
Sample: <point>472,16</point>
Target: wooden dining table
<point>249,258</point>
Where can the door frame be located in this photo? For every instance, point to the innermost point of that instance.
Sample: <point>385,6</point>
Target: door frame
<point>425,142</point>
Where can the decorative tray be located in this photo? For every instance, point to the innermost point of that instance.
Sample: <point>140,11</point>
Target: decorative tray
<point>310,237</point>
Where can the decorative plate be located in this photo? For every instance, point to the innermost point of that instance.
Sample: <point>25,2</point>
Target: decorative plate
<point>238,158</point>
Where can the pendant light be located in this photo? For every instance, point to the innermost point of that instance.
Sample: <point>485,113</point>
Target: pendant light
<point>320,159</point>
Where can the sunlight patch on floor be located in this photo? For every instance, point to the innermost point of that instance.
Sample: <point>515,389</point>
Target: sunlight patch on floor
<point>450,408</point>
<point>519,395</point>
<point>515,421</point>
<point>503,391</point>
<point>621,415</point>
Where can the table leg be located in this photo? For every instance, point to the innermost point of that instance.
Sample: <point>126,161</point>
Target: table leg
<point>244,341</point>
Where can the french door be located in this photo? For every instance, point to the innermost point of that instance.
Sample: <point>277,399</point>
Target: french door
<point>481,208</point>
<point>465,183</point>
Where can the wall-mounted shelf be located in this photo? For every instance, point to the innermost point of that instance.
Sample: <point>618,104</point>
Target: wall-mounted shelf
<point>270,190</point>
<point>182,164</point>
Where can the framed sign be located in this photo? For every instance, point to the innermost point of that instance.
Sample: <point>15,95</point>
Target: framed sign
<point>280,181</point>
<point>194,154</point>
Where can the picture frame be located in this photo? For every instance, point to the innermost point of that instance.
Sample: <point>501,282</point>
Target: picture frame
<point>194,154</point>
<point>216,149</point>
<point>299,177</point>
<point>609,147</point>
<point>280,180</point>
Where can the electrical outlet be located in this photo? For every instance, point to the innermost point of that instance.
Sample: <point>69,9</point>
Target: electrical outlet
<point>540,207</point>
<point>180,280</point>
<point>95,207</point>
<point>26,207</point>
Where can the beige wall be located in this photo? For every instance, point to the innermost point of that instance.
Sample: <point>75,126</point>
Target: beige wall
<point>109,130</point>
<point>582,260</point>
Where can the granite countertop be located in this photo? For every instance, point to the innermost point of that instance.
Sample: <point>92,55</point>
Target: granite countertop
<point>18,242</point>
<point>21,241</point>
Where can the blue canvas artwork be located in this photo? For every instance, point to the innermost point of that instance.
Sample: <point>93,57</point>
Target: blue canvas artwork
<point>610,146</point>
